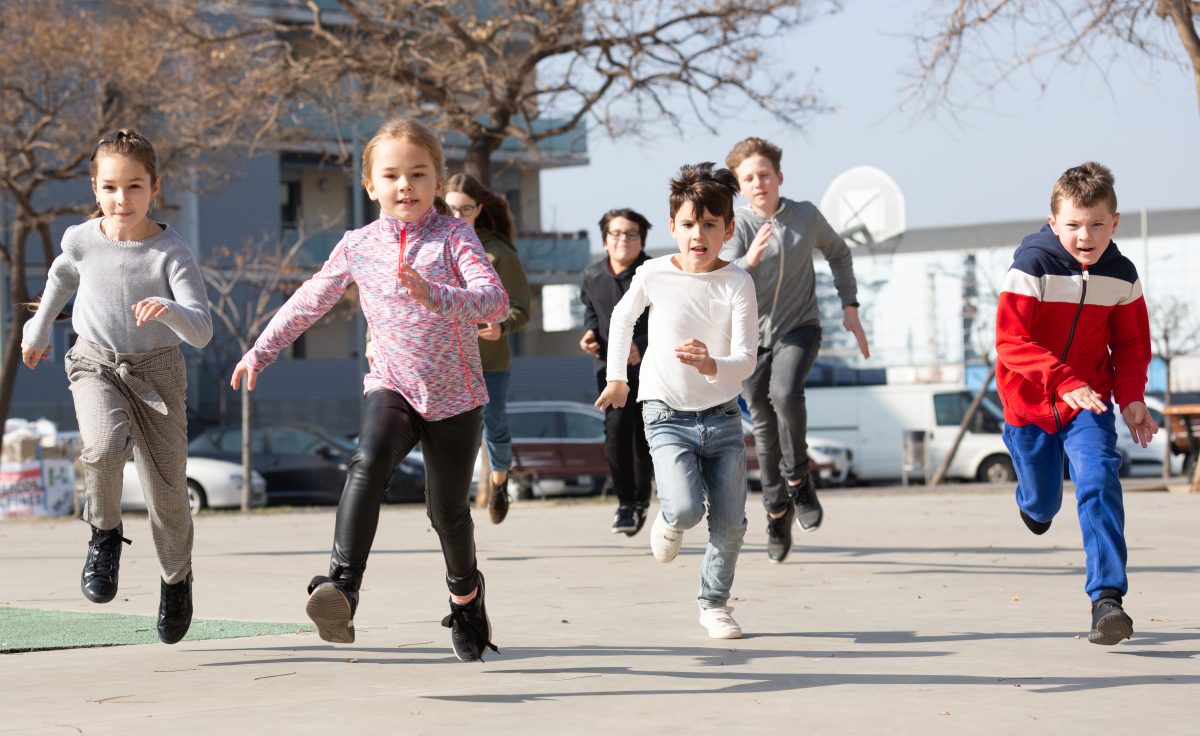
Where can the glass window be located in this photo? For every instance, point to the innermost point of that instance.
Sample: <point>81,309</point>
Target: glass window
<point>950,408</point>
<point>231,441</point>
<point>285,441</point>
<point>581,426</point>
<point>533,425</point>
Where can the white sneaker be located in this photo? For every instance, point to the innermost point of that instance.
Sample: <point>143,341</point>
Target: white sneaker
<point>720,623</point>
<point>664,540</point>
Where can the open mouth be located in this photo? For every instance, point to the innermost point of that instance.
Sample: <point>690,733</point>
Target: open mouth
<point>407,202</point>
<point>698,250</point>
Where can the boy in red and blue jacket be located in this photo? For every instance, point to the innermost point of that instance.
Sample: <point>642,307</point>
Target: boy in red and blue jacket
<point>1072,335</point>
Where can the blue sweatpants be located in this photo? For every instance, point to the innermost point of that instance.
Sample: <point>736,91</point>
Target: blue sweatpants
<point>1089,443</point>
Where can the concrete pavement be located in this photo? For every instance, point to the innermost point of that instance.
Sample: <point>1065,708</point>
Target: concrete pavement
<point>900,608</point>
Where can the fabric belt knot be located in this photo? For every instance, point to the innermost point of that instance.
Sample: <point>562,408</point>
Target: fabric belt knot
<point>140,388</point>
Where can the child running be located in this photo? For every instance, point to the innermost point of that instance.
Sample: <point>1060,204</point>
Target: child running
<point>703,340</point>
<point>140,295</point>
<point>604,283</point>
<point>424,281</point>
<point>774,242</point>
<point>492,221</point>
<point>1072,336</point>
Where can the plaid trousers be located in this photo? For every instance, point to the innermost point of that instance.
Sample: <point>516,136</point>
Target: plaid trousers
<point>133,406</point>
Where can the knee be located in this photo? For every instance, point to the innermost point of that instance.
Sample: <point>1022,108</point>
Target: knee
<point>684,515</point>
<point>105,452</point>
<point>449,521</point>
<point>373,461</point>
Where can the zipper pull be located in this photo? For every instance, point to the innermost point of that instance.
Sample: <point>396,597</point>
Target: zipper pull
<point>1085,274</point>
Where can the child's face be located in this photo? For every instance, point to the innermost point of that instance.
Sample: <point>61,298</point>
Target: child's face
<point>403,179</point>
<point>1084,231</point>
<point>699,238</point>
<point>464,208</point>
<point>623,241</point>
<point>759,181</point>
<point>124,190</point>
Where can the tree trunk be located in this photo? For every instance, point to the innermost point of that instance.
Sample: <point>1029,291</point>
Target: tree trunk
<point>478,160</point>
<point>962,429</point>
<point>20,315</point>
<point>222,402</point>
<point>247,468</point>
<point>1166,471</point>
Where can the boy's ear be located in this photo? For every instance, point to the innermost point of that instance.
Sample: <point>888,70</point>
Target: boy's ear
<point>672,225</point>
<point>1116,221</point>
<point>729,230</point>
<point>780,175</point>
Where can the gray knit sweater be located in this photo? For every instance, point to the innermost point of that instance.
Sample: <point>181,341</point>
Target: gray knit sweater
<point>787,303</point>
<point>111,276</point>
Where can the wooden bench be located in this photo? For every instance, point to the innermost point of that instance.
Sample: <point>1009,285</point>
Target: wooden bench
<point>1184,432</point>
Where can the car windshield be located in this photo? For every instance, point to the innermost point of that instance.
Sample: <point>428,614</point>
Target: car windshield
<point>342,443</point>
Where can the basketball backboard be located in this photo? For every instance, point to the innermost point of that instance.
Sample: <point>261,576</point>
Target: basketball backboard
<point>864,200</point>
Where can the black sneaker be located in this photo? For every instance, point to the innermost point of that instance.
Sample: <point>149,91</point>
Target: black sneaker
<point>641,512</point>
<point>809,513</point>
<point>470,629</point>
<point>1110,623</point>
<point>175,610</point>
<point>626,520</point>
<point>331,606</point>
<point>102,566</point>
<point>498,503</point>
<point>1037,527</point>
<point>779,535</point>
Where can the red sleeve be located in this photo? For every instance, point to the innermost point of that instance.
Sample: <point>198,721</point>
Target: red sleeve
<point>1129,343</point>
<point>1017,350</point>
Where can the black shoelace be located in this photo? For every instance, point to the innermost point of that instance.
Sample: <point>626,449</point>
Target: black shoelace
<point>174,598</point>
<point>467,630</point>
<point>805,494</point>
<point>102,552</point>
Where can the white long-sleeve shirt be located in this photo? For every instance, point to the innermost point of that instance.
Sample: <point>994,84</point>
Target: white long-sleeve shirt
<point>717,308</point>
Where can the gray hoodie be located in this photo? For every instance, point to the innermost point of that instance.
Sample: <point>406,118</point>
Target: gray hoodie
<point>788,299</point>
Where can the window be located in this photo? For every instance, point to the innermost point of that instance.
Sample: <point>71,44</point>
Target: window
<point>289,203</point>
<point>231,441</point>
<point>533,425</point>
<point>582,426</point>
<point>950,408</point>
<point>286,441</point>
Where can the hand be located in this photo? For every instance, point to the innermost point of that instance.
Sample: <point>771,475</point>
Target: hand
<point>31,356</point>
<point>635,355</point>
<point>851,323</point>
<point>148,309</point>
<point>243,370</point>
<point>490,332</point>
<point>1142,426</point>
<point>1085,398</point>
<point>418,288</point>
<point>754,253</point>
<point>695,353</point>
<point>615,394</point>
<point>590,344</point>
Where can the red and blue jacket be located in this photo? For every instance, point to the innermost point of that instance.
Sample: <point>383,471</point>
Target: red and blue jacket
<point>1061,325</point>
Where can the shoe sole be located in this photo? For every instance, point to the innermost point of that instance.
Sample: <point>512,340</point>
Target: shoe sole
<point>814,527</point>
<point>1112,629</point>
<point>330,611</point>
<point>732,635</point>
<point>630,530</point>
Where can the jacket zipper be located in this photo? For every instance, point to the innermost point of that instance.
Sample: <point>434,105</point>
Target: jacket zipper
<point>1071,338</point>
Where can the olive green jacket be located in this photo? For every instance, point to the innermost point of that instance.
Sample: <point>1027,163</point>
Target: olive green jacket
<point>495,354</point>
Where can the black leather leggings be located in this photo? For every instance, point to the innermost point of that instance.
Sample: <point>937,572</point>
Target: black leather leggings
<point>390,429</point>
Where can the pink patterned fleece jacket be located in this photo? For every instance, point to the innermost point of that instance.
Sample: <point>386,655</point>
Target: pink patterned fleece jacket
<point>429,356</point>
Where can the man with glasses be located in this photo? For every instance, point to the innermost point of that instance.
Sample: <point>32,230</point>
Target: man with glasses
<point>604,283</point>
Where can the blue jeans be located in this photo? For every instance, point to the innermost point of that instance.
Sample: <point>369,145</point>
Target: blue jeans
<point>1089,443</point>
<point>495,421</point>
<point>699,456</point>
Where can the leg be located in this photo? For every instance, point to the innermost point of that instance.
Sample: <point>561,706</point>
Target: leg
<point>450,446</point>
<point>676,457</point>
<point>620,430</point>
<point>643,464</point>
<point>724,468</point>
<point>1090,442</point>
<point>756,390</point>
<point>1038,459</point>
<point>495,423</point>
<point>793,358</point>
<point>387,434</point>
<point>103,415</point>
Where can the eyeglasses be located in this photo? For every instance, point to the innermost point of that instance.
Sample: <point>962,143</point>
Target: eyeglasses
<point>632,236</point>
<point>466,210</point>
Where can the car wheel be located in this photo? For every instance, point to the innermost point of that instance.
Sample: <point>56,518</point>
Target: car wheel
<point>197,500</point>
<point>997,469</point>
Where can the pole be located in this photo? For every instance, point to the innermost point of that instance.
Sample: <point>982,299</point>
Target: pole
<point>962,428</point>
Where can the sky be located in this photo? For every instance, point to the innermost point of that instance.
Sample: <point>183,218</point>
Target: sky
<point>989,166</point>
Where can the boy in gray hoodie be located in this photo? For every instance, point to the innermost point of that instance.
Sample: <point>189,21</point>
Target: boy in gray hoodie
<point>773,242</point>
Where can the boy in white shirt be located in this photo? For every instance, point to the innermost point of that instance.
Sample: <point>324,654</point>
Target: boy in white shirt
<point>703,343</point>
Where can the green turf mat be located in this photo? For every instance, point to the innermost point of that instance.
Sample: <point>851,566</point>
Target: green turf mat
<point>27,629</point>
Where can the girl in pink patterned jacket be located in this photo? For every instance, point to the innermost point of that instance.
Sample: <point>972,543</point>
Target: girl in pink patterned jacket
<point>424,281</point>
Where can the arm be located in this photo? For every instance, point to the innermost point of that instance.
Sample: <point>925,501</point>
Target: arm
<point>61,282</point>
<point>743,343</point>
<point>188,313</point>
<point>1015,347</point>
<point>483,299</point>
<point>310,302</point>
<point>1129,343</point>
<point>512,276</point>
<point>620,328</point>
<point>841,261</point>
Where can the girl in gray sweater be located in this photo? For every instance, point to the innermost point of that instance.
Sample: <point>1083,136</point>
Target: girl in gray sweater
<point>140,294</point>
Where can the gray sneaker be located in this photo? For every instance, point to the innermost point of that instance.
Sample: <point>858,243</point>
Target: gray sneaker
<point>809,513</point>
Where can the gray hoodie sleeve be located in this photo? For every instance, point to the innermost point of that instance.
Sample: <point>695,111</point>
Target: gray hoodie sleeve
<point>187,314</point>
<point>734,250</point>
<point>841,262</point>
<point>61,282</point>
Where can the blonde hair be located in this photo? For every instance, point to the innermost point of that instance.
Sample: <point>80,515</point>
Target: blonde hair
<point>754,147</point>
<point>405,128</point>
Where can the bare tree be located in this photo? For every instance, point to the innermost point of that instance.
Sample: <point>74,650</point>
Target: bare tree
<point>73,72</point>
<point>967,48</point>
<point>1174,331</point>
<point>529,70</point>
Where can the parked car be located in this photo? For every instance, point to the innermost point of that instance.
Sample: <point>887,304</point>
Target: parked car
<point>211,483</point>
<point>305,464</point>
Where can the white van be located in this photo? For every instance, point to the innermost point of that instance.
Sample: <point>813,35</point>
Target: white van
<point>871,419</point>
